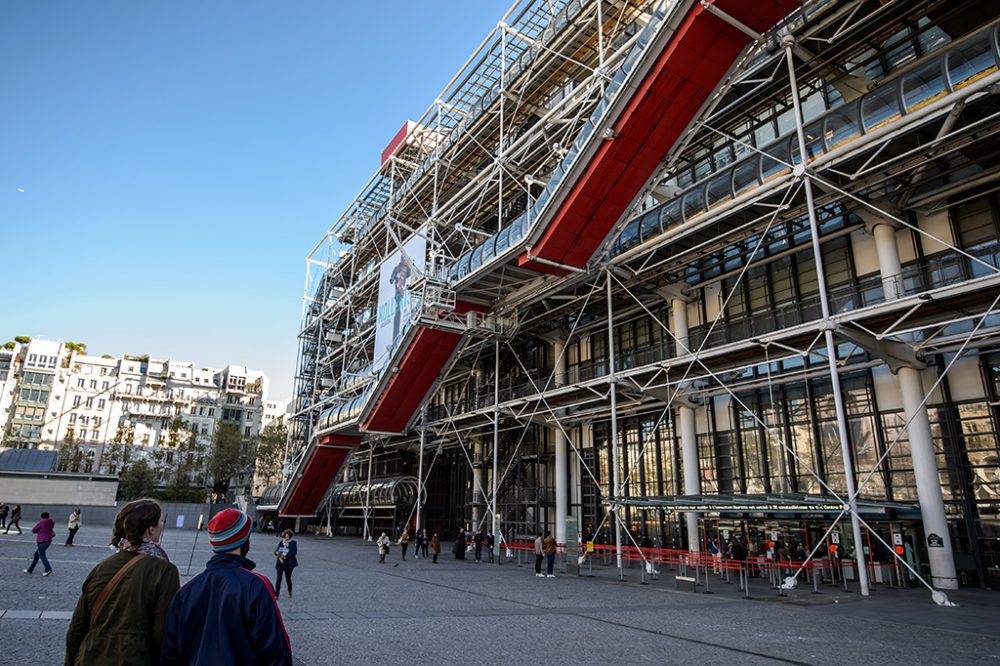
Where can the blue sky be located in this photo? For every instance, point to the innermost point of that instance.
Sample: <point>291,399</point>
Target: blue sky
<point>178,159</point>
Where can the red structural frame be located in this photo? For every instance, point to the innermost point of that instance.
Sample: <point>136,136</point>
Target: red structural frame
<point>691,66</point>
<point>319,470</point>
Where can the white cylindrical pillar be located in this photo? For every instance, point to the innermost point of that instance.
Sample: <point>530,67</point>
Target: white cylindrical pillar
<point>888,260</point>
<point>932,514</point>
<point>477,480</point>
<point>562,457</point>
<point>687,427</point>
<point>932,511</point>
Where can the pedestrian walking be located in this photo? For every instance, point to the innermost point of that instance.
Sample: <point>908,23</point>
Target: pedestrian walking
<point>418,544</point>
<point>425,541</point>
<point>477,543</point>
<point>404,541</point>
<point>435,547</point>
<point>44,531</point>
<point>549,546</point>
<point>285,560</point>
<point>15,519</point>
<point>121,615</point>
<point>383,547</point>
<point>4,512</point>
<point>491,543</point>
<point>539,556</point>
<point>73,525</point>
<point>227,614</point>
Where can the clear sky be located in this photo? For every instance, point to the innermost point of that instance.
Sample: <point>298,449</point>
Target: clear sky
<point>166,165</point>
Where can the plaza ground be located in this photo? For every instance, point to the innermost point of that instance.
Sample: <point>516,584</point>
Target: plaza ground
<point>348,609</point>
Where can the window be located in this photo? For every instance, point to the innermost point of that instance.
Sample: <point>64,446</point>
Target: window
<point>100,404</point>
<point>34,395</point>
<point>89,403</point>
<point>246,431</point>
<point>104,371</point>
<point>80,383</point>
<point>84,420</point>
<point>93,383</point>
<point>72,418</point>
<point>105,386</point>
<point>211,411</point>
<point>97,420</point>
<point>76,401</point>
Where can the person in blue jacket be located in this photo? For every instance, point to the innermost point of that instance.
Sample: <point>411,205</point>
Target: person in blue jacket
<point>285,560</point>
<point>227,614</point>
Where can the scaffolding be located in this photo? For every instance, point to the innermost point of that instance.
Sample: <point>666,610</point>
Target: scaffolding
<point>846,124</point>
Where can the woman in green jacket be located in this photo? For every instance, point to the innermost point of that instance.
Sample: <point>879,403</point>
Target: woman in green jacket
<point>121,615</point>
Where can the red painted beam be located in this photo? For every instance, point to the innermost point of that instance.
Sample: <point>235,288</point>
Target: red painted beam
<point>691,66</point>
<point>318,473</point>
<point>421,365</point>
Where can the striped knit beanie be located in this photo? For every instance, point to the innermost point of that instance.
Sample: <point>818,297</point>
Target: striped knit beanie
<point>228,529</point>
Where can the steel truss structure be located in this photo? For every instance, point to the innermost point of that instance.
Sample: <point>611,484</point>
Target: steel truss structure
<point>805,229</point>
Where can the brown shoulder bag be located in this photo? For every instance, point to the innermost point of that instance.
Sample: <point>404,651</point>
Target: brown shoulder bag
<point>106,592</point>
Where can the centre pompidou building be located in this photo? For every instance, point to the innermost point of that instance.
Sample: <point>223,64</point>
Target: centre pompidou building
<point>668,270</point>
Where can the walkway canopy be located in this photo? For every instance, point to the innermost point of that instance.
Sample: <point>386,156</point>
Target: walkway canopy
<point>768,504</point>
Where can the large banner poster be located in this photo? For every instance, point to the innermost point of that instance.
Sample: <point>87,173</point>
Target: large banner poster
<point>396,275</point>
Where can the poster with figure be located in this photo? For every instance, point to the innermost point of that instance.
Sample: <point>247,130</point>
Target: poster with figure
<point>398,272</point>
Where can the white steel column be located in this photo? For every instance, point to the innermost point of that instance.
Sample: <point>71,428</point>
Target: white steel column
<point>368,493</point>
<point>615,472</point>
<point>925,469</point>
<point>686,424</point>
<point>494,506</point>
<point>831,347</point>
<point>562,456</point>
<point>477,480</point>
<point>420,465</point>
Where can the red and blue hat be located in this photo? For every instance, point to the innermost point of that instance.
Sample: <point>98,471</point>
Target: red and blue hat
<point>229,529</point>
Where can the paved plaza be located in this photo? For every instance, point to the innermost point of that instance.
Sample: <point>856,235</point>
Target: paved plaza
<point>348,609</point>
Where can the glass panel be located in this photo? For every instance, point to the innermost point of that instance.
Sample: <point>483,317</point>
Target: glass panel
<point>650,225</point>
<point>971,62</point>
<point>842,126</point>
<point>719,188</point>
<point>879,107</point>
<point>776,159</point>
<point>630,236</point>
<point>670,215</point>
<point>814,142</point>
<point>923,85</point>
<point>746,174</point>
<point>694,203</point>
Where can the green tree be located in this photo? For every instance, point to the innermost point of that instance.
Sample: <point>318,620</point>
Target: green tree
<point>230,455</point>
<point>23,339</point>
<point>70,454</point>
<point>116,456</point>
<point>10,344</point>
<point>185,442</point>
<point>138,480</point>
<point>78,347</point>
<point>270,452</point>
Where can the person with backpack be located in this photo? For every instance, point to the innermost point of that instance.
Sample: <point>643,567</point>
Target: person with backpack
<point>226,615</point>
<point>15,519</point>
<point>121,614</point>
<point>44,531</point>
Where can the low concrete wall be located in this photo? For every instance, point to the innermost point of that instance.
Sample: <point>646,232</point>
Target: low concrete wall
<point>58,488</point>
<point>104,516</point>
